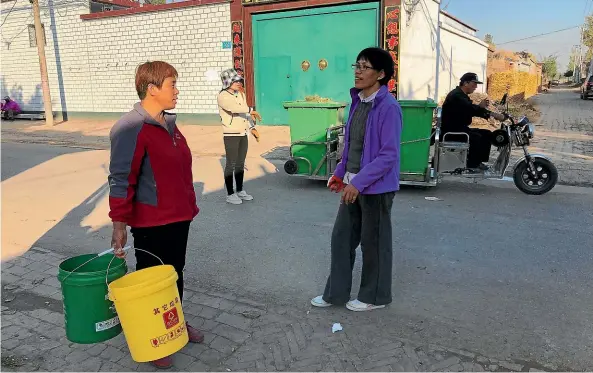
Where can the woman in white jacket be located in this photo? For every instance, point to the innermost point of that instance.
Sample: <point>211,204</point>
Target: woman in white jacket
<point>237,119</point>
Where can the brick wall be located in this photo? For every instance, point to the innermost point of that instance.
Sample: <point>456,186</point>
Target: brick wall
<point>501,61</point>
<point>91,63</point>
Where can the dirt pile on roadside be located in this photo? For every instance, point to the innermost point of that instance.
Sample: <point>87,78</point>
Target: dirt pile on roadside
<point>517,108</point>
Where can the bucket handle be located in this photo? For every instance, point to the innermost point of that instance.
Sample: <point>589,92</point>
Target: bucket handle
<point>112,259</point>
<point>91,259</point>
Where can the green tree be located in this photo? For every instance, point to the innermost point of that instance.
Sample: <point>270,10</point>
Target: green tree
<point>568,74</point>
<point>156,2</point>
<point>550,66</point>
<point>490,40</point>
<point>572,60</point>
<point>588,37</point>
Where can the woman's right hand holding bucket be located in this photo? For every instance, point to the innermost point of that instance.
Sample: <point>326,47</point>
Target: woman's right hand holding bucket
<point>119,238</point>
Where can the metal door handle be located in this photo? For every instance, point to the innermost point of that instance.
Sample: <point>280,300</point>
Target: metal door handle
<point>322,64</point>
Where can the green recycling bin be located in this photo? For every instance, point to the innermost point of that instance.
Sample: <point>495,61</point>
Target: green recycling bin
<point>89,315</point>
<point>313,136</point>
<point>415,139</point>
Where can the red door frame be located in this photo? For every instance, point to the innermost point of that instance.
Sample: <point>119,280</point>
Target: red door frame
<point>242,36</point>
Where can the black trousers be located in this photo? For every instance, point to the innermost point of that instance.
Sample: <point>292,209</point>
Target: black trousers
<point>8,114</point>
<point>367,222</point>
<point>168,242</point>
<point>480,142</point>
<point>236,152</point>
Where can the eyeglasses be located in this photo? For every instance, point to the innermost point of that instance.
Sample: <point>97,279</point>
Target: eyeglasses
<point>360,67</point>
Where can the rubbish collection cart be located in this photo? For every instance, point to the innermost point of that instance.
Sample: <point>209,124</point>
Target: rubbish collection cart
<point>317,140</point>
<point>315,132</point>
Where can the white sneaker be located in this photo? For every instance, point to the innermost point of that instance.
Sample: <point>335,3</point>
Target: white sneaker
<point>319,302</point>
<point>244,196</point>
<point>234,199</point>
<point>358,306</point>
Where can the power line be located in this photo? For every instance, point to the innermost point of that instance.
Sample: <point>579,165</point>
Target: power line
<point>538,35</point>
<point>20,32</point>
<point>10,11</point>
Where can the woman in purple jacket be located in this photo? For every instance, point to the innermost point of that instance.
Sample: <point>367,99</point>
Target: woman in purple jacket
<point>368,177</point>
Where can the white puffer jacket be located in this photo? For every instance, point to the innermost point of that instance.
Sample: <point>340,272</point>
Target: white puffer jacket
<point>234,113</point>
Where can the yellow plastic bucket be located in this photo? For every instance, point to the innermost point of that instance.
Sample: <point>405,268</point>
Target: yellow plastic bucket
<point>149,309</point>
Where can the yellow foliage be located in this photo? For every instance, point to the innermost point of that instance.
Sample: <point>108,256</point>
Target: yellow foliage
<point>514,82</point>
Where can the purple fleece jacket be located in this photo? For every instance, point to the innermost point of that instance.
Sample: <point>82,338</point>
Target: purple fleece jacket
<point>379,165</point>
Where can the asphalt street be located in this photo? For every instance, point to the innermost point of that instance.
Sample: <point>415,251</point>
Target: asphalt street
<point>486,269</point>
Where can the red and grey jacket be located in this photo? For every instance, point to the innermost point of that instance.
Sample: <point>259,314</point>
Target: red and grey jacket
<point>150,176</point>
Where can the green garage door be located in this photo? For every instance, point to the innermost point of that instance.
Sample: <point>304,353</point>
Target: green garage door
<point>283,41</point>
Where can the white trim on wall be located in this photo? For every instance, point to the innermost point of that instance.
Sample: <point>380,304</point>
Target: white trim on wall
<point>463,35</point>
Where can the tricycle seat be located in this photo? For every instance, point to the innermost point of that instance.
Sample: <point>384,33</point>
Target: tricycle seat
<point>454,145</point>
<point>452,155</point>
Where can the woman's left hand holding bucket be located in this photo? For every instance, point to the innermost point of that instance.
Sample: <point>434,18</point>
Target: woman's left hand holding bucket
<point>119,238</point>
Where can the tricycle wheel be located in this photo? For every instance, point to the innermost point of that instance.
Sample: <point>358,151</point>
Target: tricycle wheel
<point>291,167</point>
<point>538,183</point>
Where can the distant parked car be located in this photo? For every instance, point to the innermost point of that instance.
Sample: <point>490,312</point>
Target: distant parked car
<point>587,88</point>
<point>555,82</point>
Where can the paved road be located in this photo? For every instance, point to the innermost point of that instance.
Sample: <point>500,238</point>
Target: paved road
<point>566,134</point>
<point>487,269</point>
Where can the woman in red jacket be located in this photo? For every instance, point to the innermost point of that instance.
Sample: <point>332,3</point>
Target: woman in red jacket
<point>150,179</point>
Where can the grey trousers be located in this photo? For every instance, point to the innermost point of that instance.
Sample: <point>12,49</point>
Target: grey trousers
<point>366,222</point>
<point>236,152</point>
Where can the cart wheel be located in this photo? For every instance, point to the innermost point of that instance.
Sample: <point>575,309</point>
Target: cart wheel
<point>291,167</point>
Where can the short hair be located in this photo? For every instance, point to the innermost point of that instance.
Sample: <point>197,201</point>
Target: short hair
<point>155,73</point>
<point>380,59</point>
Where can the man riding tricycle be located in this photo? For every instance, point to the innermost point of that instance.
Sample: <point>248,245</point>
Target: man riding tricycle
<point>450,148</point>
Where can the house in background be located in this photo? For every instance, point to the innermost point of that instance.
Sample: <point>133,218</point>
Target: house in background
<point>504,60</point>
<point>109,5</point>
<point>286,50</point>
<point>461,52</point>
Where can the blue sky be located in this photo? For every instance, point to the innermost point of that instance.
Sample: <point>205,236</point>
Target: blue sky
<point>508,20</point>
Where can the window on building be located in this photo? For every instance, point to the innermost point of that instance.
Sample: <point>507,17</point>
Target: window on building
<point>98,6</point>
<point>33,37</point>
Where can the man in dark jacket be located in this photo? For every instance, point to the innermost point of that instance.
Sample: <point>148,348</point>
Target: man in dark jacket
<point>457,114</point>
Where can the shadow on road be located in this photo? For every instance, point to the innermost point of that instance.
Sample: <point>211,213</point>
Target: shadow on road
<point>16,158</point>
<point>486,269</point>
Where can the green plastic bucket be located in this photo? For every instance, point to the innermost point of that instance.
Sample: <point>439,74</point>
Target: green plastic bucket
<point>89,315</point>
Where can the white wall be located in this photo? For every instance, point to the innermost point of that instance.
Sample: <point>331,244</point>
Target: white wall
<point>19,62</point>
<point>460,53</point>
<point>417,51</point>
<point>91,63</point>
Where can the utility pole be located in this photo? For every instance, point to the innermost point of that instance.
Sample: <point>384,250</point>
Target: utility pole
<point>438,62</point>
<point>40,37</point>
